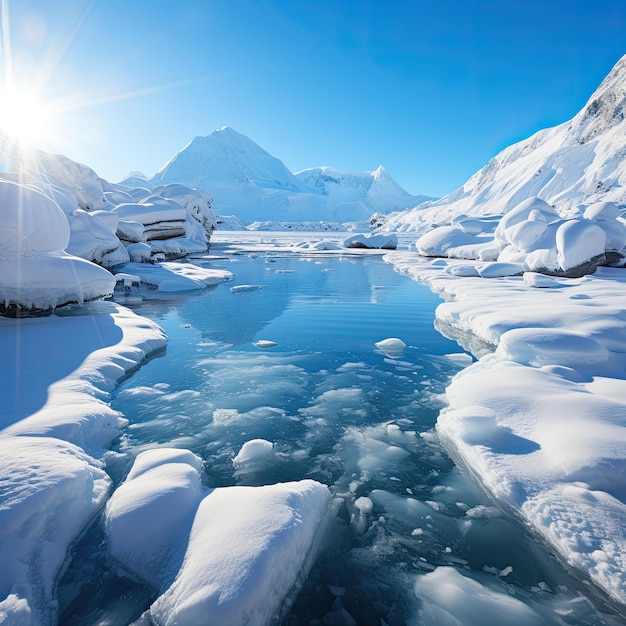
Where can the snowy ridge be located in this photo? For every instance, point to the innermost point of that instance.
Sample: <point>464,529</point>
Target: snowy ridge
<point>580,161</point>
<point>246,181</point>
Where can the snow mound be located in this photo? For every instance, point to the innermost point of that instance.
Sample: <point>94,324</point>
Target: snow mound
<point>532,237</point>
<point>149,516</point>
<point>247,549</point>
<point>384,242</point>
<point>36,274</point>
<point>546,346</point>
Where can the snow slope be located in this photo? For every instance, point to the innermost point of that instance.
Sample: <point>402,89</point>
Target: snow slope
<point>580,161</point>
<point>246,181</point>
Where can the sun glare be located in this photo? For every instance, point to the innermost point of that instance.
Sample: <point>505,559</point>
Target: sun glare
<point>23,118</point>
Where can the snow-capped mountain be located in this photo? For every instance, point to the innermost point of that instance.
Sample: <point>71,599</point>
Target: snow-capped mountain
<point>247,181</point>
<point>375,189</point>
<point>581,161</point>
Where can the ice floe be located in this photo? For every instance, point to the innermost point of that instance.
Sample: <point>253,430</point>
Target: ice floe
<point>230,555</point>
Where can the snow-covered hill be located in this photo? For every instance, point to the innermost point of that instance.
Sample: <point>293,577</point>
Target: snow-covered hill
<point>246,181</point>
<point>581,161</point>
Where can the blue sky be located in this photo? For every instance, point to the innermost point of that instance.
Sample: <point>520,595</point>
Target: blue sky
<point>431,89</point>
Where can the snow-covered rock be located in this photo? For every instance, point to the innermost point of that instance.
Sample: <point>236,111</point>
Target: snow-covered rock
<point>533,237</point>
<point>384,242</point>
<point>104,218</point>
<point>36,274</point>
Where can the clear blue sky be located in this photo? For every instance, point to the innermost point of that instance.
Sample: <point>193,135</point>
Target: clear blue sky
<point>431,89</point>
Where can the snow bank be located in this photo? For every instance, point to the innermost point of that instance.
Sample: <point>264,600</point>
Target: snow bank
<point>56,423</point>
<point>533,237</point>
<point>540,421</point>
<point>226,556</point>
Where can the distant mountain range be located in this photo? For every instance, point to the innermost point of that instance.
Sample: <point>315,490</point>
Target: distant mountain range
<point>578,162</point>
<point>246,181</point>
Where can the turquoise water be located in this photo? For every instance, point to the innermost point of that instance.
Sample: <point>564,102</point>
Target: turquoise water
<point>338,410</point>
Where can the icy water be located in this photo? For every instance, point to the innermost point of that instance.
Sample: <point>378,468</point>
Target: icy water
<point>338,410</point>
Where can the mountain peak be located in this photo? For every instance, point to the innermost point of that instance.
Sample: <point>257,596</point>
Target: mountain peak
<point>605,109</point>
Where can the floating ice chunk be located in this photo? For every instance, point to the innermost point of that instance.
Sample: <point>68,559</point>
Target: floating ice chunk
<point>364,505</point>
<point>481,511</point>
<point>546,346</point>
<point>169,277</point>
<point>245,288</point>
<point>253,451</point>
<point>264,344</point>
<point>392,347</point>
<point>460,358</point>
<point>148,517</point>
<point>450,598</point>
<point>248,548</point>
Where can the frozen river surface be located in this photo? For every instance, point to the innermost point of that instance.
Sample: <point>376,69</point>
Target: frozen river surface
<point>286,353</point>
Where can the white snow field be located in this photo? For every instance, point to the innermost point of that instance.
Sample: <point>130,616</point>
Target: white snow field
<point>540,422</point>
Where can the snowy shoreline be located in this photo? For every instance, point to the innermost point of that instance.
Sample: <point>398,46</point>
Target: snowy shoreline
<point>541,420</point>
<point>51,455</point>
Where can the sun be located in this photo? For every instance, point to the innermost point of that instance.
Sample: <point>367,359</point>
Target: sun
<point>24,118</point>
